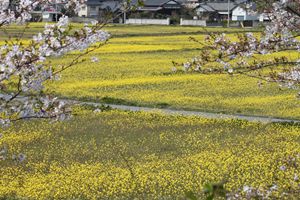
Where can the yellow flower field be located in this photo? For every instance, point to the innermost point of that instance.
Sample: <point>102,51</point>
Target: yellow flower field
<point>137,155</point>
<point>137,70</point>
<point>117,155</point>
<point>127,30</point>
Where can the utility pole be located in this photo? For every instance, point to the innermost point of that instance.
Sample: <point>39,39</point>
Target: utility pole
<point>56,10</point>
<point>228,16</point>
<point>124,17</point>
<point>124,7</point>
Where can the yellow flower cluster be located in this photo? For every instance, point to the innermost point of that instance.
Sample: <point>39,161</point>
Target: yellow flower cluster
<point>117,155</point>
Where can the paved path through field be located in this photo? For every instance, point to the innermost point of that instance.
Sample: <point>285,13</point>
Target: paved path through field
<point>182,112</point>
<point>190,113</point>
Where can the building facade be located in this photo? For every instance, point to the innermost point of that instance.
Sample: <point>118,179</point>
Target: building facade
<point>99,8</point>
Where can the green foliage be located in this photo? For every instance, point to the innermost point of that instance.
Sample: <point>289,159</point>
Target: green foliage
<point>214,190</point>
<point>190,195</point>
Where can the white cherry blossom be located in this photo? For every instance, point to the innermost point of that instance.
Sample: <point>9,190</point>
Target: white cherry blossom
<point>28,66</point>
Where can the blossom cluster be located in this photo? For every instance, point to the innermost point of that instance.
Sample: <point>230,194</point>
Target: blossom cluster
<point>20,12</point>
<point>24,69</point>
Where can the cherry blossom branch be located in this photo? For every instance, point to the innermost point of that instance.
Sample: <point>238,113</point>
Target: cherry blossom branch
<point>27,63</point>
<point>25,68</point>
<point>249,53</point>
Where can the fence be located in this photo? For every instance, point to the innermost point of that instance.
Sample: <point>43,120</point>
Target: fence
<point>193,22</point>
<point>81,20</point>
<point>149,21</point>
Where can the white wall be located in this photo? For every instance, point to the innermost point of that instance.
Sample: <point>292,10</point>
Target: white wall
<point>149,21</point>
<point>185,22</point>
<point>93,11</point>
<point>83,11</point>
<point>82,20</point>
<point>239,14</point>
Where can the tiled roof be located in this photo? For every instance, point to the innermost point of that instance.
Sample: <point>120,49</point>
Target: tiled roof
<point>111,4</point>
<point>154,2</point>
<point>220,6</point>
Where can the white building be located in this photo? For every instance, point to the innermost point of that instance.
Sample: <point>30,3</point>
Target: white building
<point>83,12</point>
<point>96,8</point>
<point>240,13</point>
<point>237,10</point>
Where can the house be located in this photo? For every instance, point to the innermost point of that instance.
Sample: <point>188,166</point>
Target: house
<point>162,7</point>
<point>244,12</point>
<point>150,9</point>
<point>99,8</point>
<point>220,10</point>
<point>49,13</point>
